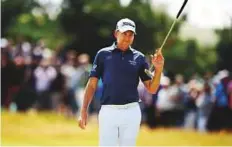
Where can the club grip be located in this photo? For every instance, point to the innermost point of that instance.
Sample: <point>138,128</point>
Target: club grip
<point>181,9</point>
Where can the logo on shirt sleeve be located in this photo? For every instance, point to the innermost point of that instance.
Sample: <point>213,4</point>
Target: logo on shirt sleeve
<point>108,57</point>
<point>132,62</point>
<point>94,67</point>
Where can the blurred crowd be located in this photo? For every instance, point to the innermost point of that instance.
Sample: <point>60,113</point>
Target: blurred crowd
<point>34,77</point>
<point>202,103</point>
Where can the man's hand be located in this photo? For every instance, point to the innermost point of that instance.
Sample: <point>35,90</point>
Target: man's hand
<point>88,95</point>
<point>82,121</point>
<point>158,60</point>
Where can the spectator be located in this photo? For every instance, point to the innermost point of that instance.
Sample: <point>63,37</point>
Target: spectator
<point>58,91</point>
<point>68,69</point>
<point>191,108</point>
<point>220,117</point>
<point>204,105</point>
<point>44,75</point>
<point>80,77</point>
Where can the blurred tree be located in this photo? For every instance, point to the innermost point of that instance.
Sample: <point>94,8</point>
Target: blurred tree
<point>11,9</point>
<point>35,27</point>
<point>91,24</point>
<point>224,49</point>
<point>28,19</point>
<point>187,58</point>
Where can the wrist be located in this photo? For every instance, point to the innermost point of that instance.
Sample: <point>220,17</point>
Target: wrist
<point>158,71</point>
<point>83,110</point>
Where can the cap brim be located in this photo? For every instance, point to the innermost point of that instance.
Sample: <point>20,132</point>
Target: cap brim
<point>127,28</point>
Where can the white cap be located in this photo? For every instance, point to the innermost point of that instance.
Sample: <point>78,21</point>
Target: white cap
<point>165,81</point>
<point>126,24</point>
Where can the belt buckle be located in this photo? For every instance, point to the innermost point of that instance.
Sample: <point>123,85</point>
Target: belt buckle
<point>122,107</point>
<point>125,107</point>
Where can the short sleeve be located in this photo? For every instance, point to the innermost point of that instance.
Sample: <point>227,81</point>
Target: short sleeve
<point>97,67</point>
<point>142,74</point>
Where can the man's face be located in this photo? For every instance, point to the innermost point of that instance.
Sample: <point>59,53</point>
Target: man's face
<point>125,39</point>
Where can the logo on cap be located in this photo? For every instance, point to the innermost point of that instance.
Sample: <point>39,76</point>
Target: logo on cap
<point>128,24</point>
<point>125,24</point>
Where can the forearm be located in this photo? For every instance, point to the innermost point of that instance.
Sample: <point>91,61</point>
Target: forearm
<point>155,82</point>
<point>88,96</point>
<point>158,63</point>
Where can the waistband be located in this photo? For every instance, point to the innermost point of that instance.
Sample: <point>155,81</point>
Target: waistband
<point>125,106</point>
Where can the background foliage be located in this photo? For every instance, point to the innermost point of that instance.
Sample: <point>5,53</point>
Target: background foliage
<point>87,26</point>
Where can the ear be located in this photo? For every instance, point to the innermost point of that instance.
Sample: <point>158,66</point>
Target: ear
<point>116,33</point>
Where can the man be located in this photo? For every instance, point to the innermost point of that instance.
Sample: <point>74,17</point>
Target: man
<point>120,67</point>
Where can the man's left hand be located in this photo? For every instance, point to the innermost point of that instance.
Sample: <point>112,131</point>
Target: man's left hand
<point>158,60</point>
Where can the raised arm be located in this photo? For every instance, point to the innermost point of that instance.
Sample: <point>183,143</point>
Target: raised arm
<point>153,84</point>
<point>158,62</point>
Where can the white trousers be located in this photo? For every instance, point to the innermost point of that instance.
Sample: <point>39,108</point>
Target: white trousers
<point>119,125</point>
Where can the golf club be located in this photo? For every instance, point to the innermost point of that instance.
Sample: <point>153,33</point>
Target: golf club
<point>151,69</point>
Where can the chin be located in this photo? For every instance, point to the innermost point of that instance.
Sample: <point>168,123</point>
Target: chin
<point>126,45</point>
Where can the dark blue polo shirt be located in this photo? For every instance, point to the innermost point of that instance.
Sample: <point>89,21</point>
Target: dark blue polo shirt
<point>120,72</point>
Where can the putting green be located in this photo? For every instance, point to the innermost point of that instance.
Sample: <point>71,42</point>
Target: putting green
<point>52,129</point>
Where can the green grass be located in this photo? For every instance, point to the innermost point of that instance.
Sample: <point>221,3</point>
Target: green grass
<point>51,129</point>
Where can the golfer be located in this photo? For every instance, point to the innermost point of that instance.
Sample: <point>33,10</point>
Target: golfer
<point>120,67</point>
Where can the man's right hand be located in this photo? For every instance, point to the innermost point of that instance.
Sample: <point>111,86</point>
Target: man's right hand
<point>82,121</point>
<point>88,95</point>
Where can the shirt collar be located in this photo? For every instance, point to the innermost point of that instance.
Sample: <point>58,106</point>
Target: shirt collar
<point>114,47</point>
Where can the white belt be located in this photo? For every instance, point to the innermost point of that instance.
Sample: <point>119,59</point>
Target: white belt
<point>126,106</point>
